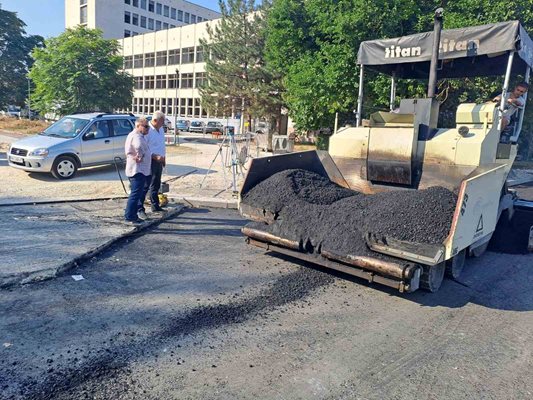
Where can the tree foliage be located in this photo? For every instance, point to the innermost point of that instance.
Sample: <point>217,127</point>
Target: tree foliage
<point>15,58</point>
<point>80,71</point>
<point>237,75</point>
<point>314,44</point>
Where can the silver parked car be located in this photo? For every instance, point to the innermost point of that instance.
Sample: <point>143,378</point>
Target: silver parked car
<point>75,141</point>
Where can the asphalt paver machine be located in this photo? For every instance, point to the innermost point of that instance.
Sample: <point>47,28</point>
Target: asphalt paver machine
<point>404,149</point>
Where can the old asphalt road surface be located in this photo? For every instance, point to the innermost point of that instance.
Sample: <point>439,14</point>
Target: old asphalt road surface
<point>187,311</point>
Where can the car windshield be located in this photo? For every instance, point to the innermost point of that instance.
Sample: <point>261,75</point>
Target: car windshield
<point>211,124</point>
<point>66,127</point>
<point>196,123</point>
<point>182,121</point>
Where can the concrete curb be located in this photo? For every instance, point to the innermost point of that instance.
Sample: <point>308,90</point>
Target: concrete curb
<point>208,202</point>
<point>49,273</point>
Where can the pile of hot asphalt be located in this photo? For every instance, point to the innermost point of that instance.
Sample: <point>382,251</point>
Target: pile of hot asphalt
<point>322,215</point>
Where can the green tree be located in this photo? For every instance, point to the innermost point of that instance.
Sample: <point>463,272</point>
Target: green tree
<point>15,58</point>
<point>237,75</point>
<point>314,45</point>
<point>80,71</point>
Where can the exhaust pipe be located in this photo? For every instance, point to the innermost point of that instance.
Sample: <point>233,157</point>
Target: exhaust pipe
<point>437,28</point>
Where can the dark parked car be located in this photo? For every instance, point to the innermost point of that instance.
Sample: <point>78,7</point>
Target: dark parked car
<point>214,126</point>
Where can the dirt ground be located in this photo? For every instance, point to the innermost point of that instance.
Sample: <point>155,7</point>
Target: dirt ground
<point>195,168</point>
<point>159,317</point>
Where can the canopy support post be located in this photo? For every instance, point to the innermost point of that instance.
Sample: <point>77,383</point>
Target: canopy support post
<point>514,138</point>
<point>437,28</point>
<point>505,88</point>
<point>360,97</point>
<point>393,90</point>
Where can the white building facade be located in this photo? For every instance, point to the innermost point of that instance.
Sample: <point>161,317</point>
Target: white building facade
<point>125,18</point>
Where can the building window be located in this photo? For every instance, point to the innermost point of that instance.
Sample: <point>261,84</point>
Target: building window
<point>127,17</point>
<point>151,23</point>
<point>134,33</point>
<point>127,1</point>
<point>193,19</point>
<point>157,25</point>
<point>199,54</point>
<point>174,57</point>
<point>186,17</point>
<point>165,25</point>
<point>128,60</point>
<point>183,107</point>
<point>143,21</point>
<point>161,82</point>
<point>196,108</point>
<point>166,11</point>
<point>173,13</point>
<point>149,60</point>
<point>158,8</point>
<point>201,79</point>
<point>161,58</point>
<point>135,3</point>
<point>180,15</point>
<point>138,61</point>
<point>151,6</point>
<point>173,81</point>
<point>186,81</point>
<point>199,19</point>
<point>143,4</point>
<point>187,55</point>
<point>190,107</point>
<point>138,82</point>
<point>135,19</point>
<point>148,82</point>
<point>83,15</point>
<point>172,26</point>
<point>83,2</point>
<point>127,33</point>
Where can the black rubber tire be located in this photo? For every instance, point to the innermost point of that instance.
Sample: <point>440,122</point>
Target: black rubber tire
<point>432,277</point>
<point>64,167</point>
<point>455,265</point>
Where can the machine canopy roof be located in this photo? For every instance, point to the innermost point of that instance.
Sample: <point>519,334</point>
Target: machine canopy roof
<point>473,51</point>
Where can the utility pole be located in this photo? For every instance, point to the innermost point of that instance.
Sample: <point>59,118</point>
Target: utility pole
<point>176,105</point>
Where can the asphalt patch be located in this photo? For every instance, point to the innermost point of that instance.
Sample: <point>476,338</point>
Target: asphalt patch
<point>107,374</point>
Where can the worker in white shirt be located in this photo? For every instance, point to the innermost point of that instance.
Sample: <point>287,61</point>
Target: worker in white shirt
<point>138,164</point>
<point>156,143</point>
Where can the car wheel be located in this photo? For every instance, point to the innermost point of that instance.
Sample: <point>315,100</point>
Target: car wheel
<point>64,167</point>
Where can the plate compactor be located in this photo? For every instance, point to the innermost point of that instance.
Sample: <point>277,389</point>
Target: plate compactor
<point>405,150</point>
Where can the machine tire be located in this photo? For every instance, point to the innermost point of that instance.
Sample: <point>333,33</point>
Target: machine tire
<point>432,277</point>
<point>64,167</point>
<point>455,265</point>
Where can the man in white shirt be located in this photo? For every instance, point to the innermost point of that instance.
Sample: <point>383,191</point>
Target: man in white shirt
<point>138,166</point>
<point>156,143</point>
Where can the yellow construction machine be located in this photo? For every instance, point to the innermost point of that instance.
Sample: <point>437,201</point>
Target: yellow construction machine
<point>405,150</point>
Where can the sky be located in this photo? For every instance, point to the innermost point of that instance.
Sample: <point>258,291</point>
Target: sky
<point>47,17</point>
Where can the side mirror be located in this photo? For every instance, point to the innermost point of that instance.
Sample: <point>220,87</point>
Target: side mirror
<point>89,136</point>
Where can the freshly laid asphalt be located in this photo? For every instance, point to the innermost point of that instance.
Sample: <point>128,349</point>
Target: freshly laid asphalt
<point>187,310</point>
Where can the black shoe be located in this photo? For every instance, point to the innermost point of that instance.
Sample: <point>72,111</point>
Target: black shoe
<point>157,209</point>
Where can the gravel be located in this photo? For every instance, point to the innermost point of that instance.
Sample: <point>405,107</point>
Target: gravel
<point>322,215</point>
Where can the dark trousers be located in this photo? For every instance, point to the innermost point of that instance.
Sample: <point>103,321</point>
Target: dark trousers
<point>153,185</point>
<point>137,193</point>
